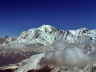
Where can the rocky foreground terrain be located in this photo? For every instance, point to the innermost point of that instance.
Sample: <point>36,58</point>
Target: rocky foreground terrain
<point>48,49</point>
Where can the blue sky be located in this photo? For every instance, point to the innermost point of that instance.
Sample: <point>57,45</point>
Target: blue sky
<point>19,15</point>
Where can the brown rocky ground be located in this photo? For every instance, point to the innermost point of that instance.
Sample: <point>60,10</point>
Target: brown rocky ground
<point>45,69</point>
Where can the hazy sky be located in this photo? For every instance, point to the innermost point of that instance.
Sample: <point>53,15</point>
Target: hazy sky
<point>19,15</point>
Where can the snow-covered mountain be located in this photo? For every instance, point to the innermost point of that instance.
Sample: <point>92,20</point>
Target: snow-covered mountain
<point>46,35</point>
<point>43,35</point>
